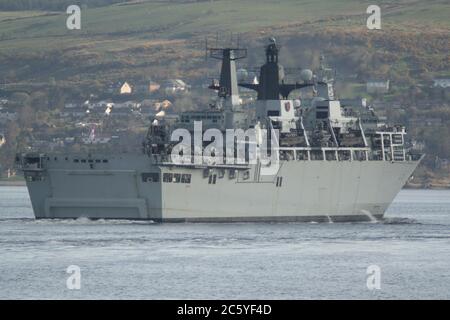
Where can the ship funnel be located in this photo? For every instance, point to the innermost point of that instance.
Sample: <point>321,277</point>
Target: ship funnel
<point>272,84</point>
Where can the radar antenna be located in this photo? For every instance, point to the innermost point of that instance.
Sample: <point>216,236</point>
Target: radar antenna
<point>227,85</point>
<point>272,84</point>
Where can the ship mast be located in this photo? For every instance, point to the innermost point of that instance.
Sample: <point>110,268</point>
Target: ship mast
<point>228,85</point>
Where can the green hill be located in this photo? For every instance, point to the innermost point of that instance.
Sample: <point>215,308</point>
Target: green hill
<point>165,38</point>
<point>184,19</point>
<point>135,41</point>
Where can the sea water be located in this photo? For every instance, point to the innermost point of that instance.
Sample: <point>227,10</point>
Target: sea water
<point>409,250</point>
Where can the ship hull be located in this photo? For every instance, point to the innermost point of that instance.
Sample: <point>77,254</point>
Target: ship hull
<point>319,191</point>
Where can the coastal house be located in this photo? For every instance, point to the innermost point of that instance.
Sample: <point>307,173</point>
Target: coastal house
<point>175,86</point>
<point>120,88</point>
<point>377,86</point>
<point>126,88</point>
<point>153,87</point>
<point>149,87</point>
<point>162,105</point>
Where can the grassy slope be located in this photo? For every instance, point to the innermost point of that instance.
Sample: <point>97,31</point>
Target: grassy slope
<point>183,20</point>
<point>120,41</point>
<point>134,38</point>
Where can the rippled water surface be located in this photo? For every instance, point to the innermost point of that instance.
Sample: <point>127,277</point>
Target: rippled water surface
<point>142,260</point>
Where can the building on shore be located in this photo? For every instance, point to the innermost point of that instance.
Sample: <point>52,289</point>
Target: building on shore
<point>377,86</point>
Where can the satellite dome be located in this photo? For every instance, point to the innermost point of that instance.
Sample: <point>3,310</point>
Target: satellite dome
<point>306,75</point>
<point>297,103</point>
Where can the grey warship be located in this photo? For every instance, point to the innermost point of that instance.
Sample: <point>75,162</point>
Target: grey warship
<point>333,163</point>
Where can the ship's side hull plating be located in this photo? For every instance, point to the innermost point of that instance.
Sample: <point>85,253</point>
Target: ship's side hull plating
<point>300,191</point>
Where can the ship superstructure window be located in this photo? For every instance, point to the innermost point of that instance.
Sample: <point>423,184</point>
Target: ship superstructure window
<point>150,177</point>
<point>232,174</point>
<point>212,179</point>
<point>167,177</point>
<point>186,178</point>
<point>186,118</point>
<point>176,178</point>
<point>279,181</point>
<point>87,161</point>
<point>322,112</point>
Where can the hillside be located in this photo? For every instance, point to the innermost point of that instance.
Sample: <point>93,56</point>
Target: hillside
<point>134,35</point>
<point>137,40</point>
<point>185,19</point>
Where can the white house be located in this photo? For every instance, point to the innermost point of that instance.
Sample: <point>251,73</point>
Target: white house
<point>175,86</point>
<point>377,86</point>
<point>149,87</point>
<point>125,88</point>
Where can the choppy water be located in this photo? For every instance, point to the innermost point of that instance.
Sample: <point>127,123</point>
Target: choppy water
<point>142,260</point>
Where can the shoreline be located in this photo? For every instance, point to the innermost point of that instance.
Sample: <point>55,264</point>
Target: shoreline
<point>22,183</point>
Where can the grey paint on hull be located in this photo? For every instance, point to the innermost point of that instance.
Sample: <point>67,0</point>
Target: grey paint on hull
<point>310,191</point>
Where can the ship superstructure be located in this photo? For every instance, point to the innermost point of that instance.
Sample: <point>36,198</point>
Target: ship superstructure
<point>293,163</point>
